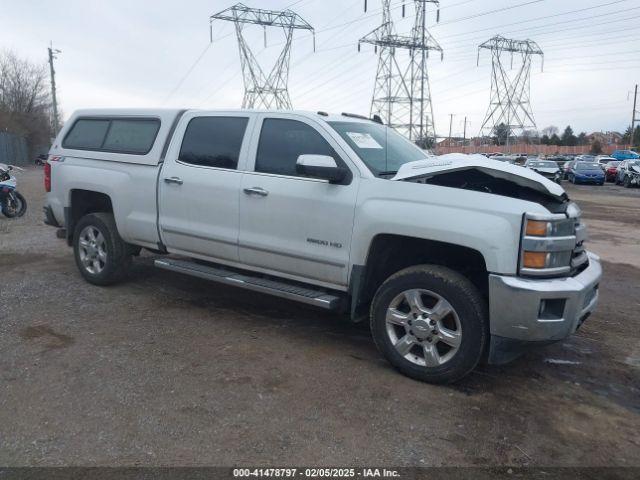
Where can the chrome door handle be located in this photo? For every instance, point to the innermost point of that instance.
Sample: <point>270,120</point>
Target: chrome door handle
<point>256,191</point>
<point>176,180</point>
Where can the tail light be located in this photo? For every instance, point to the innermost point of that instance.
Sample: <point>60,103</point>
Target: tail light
<point>47,171</point>
<point>47,177</point>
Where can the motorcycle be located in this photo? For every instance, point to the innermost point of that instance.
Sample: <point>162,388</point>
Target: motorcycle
<point>12,203</point>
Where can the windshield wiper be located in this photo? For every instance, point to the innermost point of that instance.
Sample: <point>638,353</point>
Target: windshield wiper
<point>388,172</point>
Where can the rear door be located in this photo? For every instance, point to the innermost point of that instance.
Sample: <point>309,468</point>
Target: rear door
<point>293,225</point>
<point>199,185</point>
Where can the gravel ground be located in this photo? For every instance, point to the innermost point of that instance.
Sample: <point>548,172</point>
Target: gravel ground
<point>171,370</point>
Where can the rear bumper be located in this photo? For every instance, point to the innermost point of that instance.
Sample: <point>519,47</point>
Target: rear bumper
<point>50,218</point>
<point>540,310</point>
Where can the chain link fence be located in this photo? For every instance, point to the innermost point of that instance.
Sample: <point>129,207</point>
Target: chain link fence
<point>13,149</point>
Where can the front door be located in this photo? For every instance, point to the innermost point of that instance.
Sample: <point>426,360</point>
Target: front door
<point>290,224</point>
<point>199,186</point>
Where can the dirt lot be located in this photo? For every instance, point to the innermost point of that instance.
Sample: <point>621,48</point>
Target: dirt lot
<point>170,370</point>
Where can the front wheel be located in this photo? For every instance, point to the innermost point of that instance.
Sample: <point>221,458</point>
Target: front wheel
<point>102,257</point>
<point>15,205</point>
<point>430,323</point>
<point>627,181</point>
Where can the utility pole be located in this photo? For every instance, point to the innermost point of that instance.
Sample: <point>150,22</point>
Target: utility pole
<point>451,115</point>
<point>464,134</point>
<point>633,116</point>
<point>55,123</point>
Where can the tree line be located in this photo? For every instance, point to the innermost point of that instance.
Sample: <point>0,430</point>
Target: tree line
<point>25,100</point>
<point>551,136</point>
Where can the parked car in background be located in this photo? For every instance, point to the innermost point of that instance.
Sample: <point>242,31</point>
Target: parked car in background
<point>566,170</point>
<point>611,170</point>
<point>603,160</point>
<point>546,168</point>
<point>586,172</point>
<point>586,158</point>
<point>625,155</point>
<point>628,173</point>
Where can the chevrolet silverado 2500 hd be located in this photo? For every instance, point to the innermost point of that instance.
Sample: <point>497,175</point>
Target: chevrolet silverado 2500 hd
<point>453,259</point>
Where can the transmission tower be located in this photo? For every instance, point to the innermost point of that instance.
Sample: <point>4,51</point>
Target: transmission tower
<point>510,103</point>
<point>402,95</point>
<point>262,90</point>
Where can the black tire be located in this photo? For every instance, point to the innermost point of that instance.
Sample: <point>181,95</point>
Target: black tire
<point>465,299</point>
<point>626,181</point>
<point>17,210</point>
<point>118,253</point>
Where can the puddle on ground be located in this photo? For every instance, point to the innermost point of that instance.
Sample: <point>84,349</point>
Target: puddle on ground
<point>51,340</point>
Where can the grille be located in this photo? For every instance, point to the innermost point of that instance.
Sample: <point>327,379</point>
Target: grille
<point>579,258</point>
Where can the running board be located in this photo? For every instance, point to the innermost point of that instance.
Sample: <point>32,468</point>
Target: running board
<point>289,291</point>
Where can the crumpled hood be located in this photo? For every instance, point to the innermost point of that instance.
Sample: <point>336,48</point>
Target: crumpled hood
<point>635,168</point>
<point>459,161</point>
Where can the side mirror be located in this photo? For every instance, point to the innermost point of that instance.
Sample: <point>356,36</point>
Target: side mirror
<point>321,166</point>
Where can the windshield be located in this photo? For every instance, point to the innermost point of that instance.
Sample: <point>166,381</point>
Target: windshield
<point>382,149</point>
<point>543,164</point>
<point>588,166</point>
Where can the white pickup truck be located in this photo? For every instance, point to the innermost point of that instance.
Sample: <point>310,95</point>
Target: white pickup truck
<point>454,259</point>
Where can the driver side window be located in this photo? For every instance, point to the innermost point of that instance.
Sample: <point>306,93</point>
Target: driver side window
<point>282,141</point>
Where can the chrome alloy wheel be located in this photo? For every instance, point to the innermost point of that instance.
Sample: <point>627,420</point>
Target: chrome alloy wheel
<point>93,250</point>
<point>423,327</point>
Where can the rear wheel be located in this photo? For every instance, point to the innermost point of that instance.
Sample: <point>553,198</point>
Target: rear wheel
<point>430,323</point>
<point>102,257</point>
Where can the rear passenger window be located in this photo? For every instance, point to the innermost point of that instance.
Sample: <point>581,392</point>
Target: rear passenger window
<point>131,136</point>
<point>117,135</point>
<point>86,135</point>
<point>283,141</point>
<point>213,141</point>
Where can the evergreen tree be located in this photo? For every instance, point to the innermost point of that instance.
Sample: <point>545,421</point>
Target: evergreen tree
<point>596,148</point>
<point>582,139</point>
<point>568,138</point>
<point>501,133</point>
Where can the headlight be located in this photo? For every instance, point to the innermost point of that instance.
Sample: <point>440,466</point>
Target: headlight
<point>547,245</point>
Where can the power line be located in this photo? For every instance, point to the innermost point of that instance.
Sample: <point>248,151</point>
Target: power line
<point>534,19</point>
<point>186,75</point>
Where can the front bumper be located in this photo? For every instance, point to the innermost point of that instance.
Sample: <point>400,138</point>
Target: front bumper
<point>540,310</point>
<point>589,179</point>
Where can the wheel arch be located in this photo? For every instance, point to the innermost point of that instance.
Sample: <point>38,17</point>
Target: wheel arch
<point>81,203</point>
<point>390,253</point>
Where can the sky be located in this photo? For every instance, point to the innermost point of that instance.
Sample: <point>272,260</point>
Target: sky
<point>142,53</point>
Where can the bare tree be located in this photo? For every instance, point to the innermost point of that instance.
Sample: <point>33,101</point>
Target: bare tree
<point>550,131</point>
<point>24,99</point>
<point>529,137</point>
